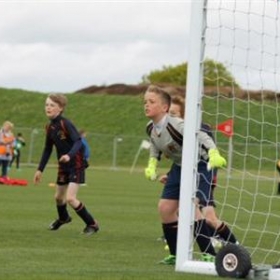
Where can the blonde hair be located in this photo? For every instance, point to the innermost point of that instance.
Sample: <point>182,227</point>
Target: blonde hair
<point>59,98</point>
<point>8,124</point>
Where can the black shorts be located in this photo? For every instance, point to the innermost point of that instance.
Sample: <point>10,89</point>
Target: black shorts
<point>204,191</point>
<point>69,173</point>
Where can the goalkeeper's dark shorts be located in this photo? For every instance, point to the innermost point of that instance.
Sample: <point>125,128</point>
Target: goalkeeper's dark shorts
<point>70,173</point>
<point>204,191</point>
<point>171,189</point>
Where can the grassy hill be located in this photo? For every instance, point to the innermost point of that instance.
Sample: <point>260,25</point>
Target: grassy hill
<point>95,113</point>
<point>108,117</point>
<point>104,117</point>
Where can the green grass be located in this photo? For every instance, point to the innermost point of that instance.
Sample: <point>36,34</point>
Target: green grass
<point>103,114</point>
<point>125,248</point>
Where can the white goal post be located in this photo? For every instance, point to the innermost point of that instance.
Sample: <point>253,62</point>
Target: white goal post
<point>244,36</point>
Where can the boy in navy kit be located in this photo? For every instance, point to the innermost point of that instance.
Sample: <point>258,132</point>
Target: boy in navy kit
<point>166,137</point>
<point>63,135</point>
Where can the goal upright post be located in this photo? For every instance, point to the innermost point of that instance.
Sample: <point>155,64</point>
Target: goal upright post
<point>190,154</point>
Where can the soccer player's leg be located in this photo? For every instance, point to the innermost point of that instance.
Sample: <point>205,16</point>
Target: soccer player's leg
<point>61,206</point>
<point>202,234</point>
<point>208,210</point>
<point>220,227</point>
<point>168,210</point>
<point>202,231</point>
<point>77,178</point>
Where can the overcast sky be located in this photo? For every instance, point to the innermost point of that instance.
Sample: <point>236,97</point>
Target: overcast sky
<point>67,45</point>
<point>64,46</point>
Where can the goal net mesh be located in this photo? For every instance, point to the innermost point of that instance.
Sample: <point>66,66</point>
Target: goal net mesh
<point>242,40</point>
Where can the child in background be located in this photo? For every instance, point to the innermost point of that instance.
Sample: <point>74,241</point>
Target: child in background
<point>62,134</point>
<point>86,151</point>
<point>6,147</point>
<point>86,146</point>
<point>18,144</point>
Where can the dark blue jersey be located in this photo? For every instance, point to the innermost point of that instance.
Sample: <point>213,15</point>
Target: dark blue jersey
<point>62,134</point>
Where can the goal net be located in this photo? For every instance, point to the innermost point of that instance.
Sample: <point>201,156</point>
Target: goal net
<point>241,38</point>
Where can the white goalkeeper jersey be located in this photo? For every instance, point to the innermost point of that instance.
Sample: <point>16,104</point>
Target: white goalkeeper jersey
<point>167,139</point>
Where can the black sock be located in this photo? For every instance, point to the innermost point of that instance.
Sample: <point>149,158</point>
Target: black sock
<point>62,212</point>
<point>212,231</point>
<point>202,236</point>
<point>84,214</point>
<point>224,231</point>
<point>278,188</point>
<point>170,233</point>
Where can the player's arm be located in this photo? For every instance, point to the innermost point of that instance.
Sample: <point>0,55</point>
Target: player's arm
<point>46,154</point>
<point>151,169</point>
<point>44,160</point>
<point>215,160</point>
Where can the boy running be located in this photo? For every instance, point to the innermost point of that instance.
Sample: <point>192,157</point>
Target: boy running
<point>62,134</point>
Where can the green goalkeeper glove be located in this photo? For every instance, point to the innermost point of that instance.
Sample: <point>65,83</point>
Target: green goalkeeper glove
<point>215,159</point>
<point>150,171</point>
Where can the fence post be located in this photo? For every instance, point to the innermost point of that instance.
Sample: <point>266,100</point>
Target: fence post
<point>31,146</point>
<point>115,146</point>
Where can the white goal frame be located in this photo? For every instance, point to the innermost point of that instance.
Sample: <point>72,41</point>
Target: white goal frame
<point>184,259</point>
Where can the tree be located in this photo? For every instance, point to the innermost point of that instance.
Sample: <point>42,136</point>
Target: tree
<point>214,73</point>
<point>175,75</point>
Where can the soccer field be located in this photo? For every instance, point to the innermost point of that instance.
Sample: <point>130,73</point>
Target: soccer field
<point>126,246</point>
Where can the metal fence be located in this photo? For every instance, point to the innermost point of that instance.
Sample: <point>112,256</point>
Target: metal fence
<point>106,150</point>
<point>120,151</point>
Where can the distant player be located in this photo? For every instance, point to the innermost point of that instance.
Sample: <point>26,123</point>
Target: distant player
<point>83,135</point>
<point>18,144</point>
<point>63,135</point>
<point>6,148</point>
<point>166,135</point>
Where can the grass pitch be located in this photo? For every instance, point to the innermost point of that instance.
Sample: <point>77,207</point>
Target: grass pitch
<point>126,246</point>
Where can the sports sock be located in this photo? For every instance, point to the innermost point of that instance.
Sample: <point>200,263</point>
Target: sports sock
<point>62,212</point>
<point>84,214</point>
<point>224,231</point>
<point>212,231</point>
<point>170,233</point>
<point>202,236</point>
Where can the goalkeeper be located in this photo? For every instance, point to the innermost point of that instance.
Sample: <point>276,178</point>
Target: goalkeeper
<point>166,138</point>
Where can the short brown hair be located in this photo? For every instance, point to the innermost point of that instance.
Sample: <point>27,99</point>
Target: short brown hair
<point>180,101</point>
<point>59,98</point>
<point>161,92</point>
